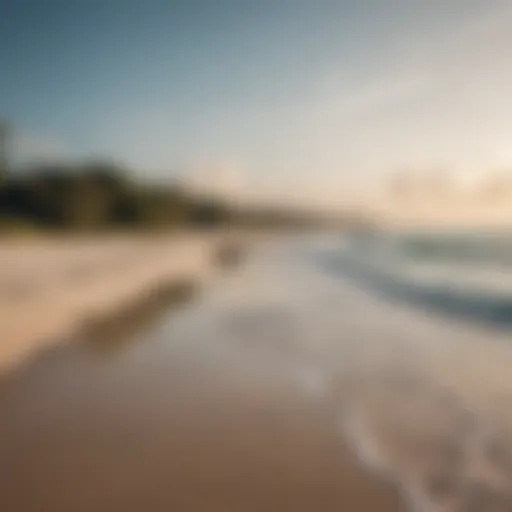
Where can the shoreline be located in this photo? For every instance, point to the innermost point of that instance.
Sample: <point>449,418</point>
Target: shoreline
<point>267,439</point>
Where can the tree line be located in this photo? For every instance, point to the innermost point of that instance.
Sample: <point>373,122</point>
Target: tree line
<point>100,196</point>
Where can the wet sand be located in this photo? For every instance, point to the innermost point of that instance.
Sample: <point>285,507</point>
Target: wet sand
<point>167,421</point>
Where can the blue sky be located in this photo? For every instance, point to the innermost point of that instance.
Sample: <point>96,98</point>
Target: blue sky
<point>282,96</point>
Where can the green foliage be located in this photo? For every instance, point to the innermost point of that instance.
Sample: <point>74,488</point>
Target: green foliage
<point>14,226</point>
<point>92,197</point>
<point>100,196</point>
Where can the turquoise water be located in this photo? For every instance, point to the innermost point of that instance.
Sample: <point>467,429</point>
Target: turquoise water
<point>467,248</point>
<point>465,275</point>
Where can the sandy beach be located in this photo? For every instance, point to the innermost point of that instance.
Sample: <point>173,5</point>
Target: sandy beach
<point>50,288</point>
<point>283,385</point>
<point>164,417</point>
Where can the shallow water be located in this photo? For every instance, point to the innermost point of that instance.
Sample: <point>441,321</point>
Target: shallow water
<point>244,401</point>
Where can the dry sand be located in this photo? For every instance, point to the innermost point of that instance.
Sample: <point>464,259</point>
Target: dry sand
<point>49,288</point>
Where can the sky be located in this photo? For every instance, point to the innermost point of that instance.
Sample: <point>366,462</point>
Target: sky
<point>295,98</point>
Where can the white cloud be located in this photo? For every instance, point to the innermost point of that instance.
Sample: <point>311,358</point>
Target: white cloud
<point>442,99</point>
